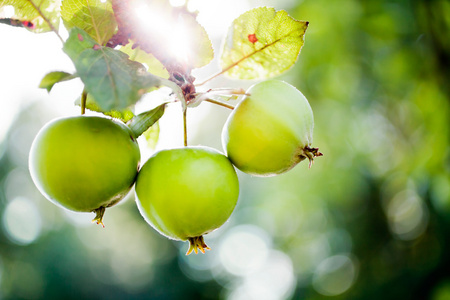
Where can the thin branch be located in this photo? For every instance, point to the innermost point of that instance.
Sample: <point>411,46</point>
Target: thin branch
<point>220,103</point>
<point>52,27</point>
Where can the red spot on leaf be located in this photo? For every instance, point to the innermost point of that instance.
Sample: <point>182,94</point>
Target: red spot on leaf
<point>28,24</point>
<point>80,37</point>
<point>252,38</point>
<point>96,47</point>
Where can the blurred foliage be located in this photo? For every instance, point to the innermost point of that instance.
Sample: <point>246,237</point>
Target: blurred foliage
<point>370,219</point>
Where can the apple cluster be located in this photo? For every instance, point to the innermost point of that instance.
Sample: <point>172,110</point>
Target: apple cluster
<point>183,193</point>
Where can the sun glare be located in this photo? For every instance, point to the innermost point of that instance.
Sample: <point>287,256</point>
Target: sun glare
<point>172,33</point>
<point>177,2</point>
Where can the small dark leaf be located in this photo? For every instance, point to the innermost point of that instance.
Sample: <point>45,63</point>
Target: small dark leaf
<point>140,123</point>
<point>53,78</point>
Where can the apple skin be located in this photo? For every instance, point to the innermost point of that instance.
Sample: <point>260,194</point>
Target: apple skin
<point>270,130</point>
<point>84,163</point>
<point>184,193</point>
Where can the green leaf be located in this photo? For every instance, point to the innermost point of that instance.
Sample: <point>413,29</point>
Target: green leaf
<point>53,78</point>
<point>114,81</point>
<point>36,15</point>
<point>93,16</point>
<point>155,67</point>
<point>123,115</point>
<point>140,123</point>
<point>262,43</point>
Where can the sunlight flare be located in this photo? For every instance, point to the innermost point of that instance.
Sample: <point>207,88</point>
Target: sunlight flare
<point>171,33</point>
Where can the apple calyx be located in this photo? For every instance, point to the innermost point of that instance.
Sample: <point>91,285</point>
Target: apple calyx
<point>197,243</point>
<point>100,212</point>
<point>309,153</point>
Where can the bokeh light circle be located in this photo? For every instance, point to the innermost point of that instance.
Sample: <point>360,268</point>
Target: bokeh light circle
<point>21,221</point>
<point>244,249</point>
<point>335,275</point>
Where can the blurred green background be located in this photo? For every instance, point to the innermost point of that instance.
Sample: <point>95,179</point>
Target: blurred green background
<point>369,220</point>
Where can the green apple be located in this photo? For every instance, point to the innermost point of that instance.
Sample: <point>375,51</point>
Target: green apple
<point>270,130</point>
<point>187,192</point>
<point>84,163</point>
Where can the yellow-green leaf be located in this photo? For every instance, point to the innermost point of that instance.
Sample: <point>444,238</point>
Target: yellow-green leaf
<point>201,50</point>
<point>152,136</point>
<point>262,43</point>
<point>93,16</point>
<point>35,15</point>
<point>53,78</point>
<point>124,115</point>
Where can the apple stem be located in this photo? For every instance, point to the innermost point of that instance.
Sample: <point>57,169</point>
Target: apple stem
<point>310,153</point>
<point>185,127</point>
<point>197,243</point>
<point>100,212</point>
<point>83,101</point>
